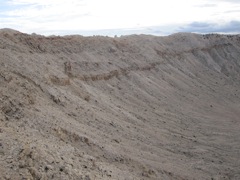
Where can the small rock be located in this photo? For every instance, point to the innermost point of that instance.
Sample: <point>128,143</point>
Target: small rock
<point>87,177</point>
<point>48,167</point>
<point>22,164</point>
<point>117,141</point>
<point>35,174</point>
<point>7,177</point>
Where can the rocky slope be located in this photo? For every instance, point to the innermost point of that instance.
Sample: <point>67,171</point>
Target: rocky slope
<point>133,107</point>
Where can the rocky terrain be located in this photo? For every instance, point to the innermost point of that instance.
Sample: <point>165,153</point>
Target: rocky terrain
<point>130,107</point>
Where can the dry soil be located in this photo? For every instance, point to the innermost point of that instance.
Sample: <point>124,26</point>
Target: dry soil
<point>131,107</point>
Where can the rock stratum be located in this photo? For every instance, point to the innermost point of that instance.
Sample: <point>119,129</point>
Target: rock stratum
<point>131,107</point>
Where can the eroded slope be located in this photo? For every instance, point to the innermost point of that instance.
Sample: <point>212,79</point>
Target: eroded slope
<point>135,107</point>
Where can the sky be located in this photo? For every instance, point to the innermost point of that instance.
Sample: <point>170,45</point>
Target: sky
<point>120,17</point>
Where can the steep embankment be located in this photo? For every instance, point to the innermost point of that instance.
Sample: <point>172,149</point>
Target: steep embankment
<point>134,107</point>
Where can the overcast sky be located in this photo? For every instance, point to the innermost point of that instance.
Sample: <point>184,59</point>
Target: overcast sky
<point>110,17</point>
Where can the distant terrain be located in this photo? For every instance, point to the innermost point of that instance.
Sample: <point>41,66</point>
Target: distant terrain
<point>130,107</point>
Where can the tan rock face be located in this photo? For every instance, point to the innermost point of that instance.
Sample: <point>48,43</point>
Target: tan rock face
<point>134,107</point>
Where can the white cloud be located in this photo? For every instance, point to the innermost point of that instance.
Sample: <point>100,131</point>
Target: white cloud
<point>82,15</point>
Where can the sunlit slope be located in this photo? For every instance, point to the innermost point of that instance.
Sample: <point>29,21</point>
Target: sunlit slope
<point>133,107</point>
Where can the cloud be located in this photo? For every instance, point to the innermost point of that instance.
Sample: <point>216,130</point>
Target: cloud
<point>35,15</point>
<point>232,27</point>
<point>119,17</point>
<point>207,5</point>
<point>229,1</point>
<point>203,27</point>
<point>232,11</point>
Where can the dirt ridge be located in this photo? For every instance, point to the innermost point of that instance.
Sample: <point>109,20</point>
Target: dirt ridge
<point>130,107</point>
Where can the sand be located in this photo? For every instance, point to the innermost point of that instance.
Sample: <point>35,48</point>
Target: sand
<point>130,107</point>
